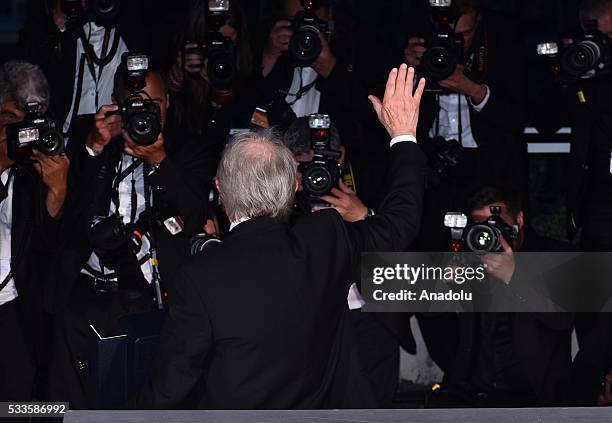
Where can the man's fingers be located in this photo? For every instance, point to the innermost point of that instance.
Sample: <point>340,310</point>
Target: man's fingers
<point>409,81</point>
<point>418,93</point>
<point>344,188</point>
<point>332,200</point>
<point>507,248</point>
<point>390,87</point>
<point>377,104</point>
<point>338,193</point>
<point>400,82</point>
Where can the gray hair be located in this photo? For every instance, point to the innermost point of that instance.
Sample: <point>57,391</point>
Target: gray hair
<point>24,83</point>
<point>297,137</point>
<point>257,176</point>
<point>591,10</point>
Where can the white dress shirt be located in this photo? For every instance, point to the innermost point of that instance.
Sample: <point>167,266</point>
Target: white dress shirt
<point>125,195</point>
<point>9,293</point>
<point>447,122</point>
<point>105,84</point>
<point>310,100</point>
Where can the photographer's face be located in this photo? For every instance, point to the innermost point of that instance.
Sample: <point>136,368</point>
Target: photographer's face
<point>9,113</point>
<point>466,26</point>
<point>292,7</point>
<point>604,22</point>
<point>156,90</point>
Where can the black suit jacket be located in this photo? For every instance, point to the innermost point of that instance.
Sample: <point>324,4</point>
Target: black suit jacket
<point>34,237</point>
<point>42,43</point>
<point>542,341</point>
<point>182,182</point>
<point>498,128</point>
<point>258,322</point>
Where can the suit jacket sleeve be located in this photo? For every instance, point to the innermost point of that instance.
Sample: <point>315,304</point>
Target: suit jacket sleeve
<point>181,356</point>
<point>397,222</point>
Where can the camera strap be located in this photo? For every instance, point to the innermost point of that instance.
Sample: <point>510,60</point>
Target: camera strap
<point>302,90</point>
<point>3,195</point>
<point>133,194</point>
<point>148,191</point>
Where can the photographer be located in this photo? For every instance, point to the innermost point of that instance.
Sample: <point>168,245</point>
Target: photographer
<point>473,114</point>
<point>32,194</point>
<point>491,359</point>
<point>79,45</point>
<point>202,103</point>
<point>219,349</point>
<point>140,189</point>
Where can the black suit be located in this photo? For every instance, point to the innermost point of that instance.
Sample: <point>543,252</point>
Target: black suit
<point>259,321</point>
<point>34,235</point>
<point>181,183</point>
<point>42,43</point>
<point>540,343</point>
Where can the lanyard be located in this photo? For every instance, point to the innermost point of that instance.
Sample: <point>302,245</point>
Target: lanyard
<point>133,196</point>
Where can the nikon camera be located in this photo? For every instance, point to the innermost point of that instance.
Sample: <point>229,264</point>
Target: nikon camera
<point>445,48</point>
<point>141,115</point>
<point>589,57</point>
<point>36,132</point>
<point>305,44</point>
<point>323,173</point>
<point>480,238</point>
<point>218,50</point>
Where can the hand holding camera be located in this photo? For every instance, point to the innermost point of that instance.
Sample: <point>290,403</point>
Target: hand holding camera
<point>501,265</point>
<point>414,51</point>
<point>459,83</point>
<point>152,154</point>
<point>346,202</point>
<point>53,171</point>
<point>326,61</point>
<point>399,110</point>
<point>106,127</point>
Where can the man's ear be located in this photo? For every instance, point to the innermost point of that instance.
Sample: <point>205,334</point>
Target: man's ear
<point>217,185</point>
<point>297,186</point>
<point>342,155</point>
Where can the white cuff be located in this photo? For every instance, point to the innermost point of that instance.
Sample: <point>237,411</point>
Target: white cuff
<point>483,103</point>
<point>91,152</point>
<point>403,138</point>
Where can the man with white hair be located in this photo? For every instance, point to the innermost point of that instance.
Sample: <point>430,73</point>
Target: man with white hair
<point>258,321</point>
<point>32,195</point>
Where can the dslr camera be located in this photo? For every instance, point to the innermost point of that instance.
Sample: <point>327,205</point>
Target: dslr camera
<point>443,157</point>
<point>219,50</point>
<point>480,238</point>
<point>305,44</point>
<point>36,132</point>
<point>100,11</point>
<point>589,57</point>
<point>323,173</point>
<point>141,116</point>
<point>445,48</point>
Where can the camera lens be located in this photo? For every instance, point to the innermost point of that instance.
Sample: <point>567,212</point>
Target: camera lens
<point>305,45</point>
<point>222,70</point>
<point>482,239</point>
<point>581,58</point>
<point>144,128</point>
<point>318,181</point>
<point>439,63</point>
<point>51,143</point>
<point>105,10</point>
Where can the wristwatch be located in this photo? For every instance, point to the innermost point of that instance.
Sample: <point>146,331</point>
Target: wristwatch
<point>370,213</point>
<point>154,168</point>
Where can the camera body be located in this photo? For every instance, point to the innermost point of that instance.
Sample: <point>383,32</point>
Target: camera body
<point>480,238</point>
<point>305,45</point>
<point>445,48</point>
<point>108,234</point>
<point>589,57</point>
<point>219,50</point>
<point>141,116</point>
<point>443,157</point>
<point>36,132</point>
<point>323,173</point>
<point>100,11</point>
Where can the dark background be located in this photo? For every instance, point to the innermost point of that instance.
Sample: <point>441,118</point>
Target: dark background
<point>539,20</point>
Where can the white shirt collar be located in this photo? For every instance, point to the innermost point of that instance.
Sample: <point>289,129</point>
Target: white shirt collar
<point>238,222</point>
